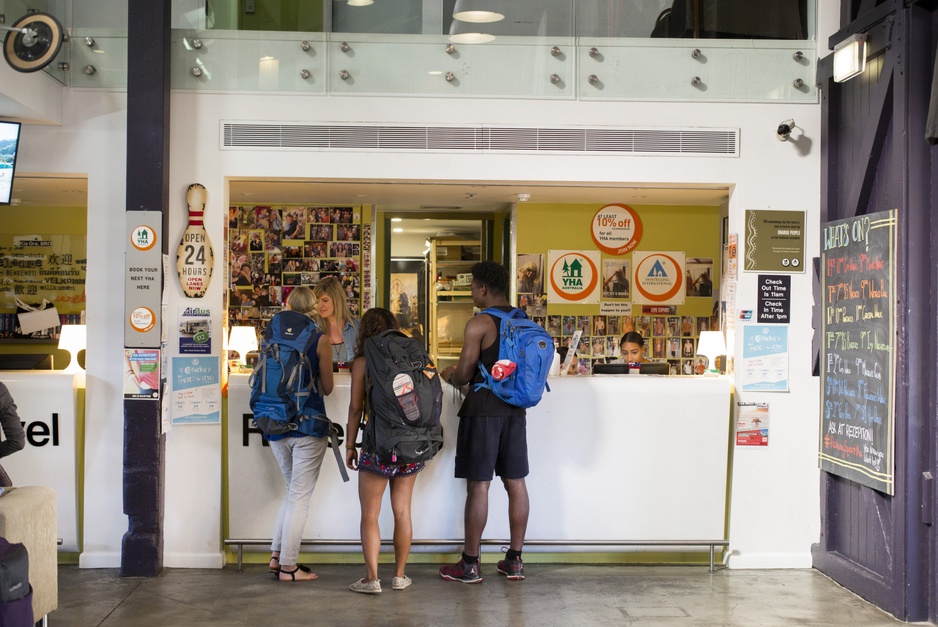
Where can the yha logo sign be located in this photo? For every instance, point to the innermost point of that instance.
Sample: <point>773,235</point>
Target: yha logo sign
<point>573,276</point>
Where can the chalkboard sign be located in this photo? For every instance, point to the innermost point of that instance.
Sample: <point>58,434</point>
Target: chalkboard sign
<point>857,356</point>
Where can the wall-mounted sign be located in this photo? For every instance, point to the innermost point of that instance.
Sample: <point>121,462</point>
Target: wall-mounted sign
<point>573,276</point>
<point>858,356</point>
<point>196,395</point>
<point>194,255</point>
<point>774,241</point>
<point>658,278</point>
<point>774,298</point>
<point>616,229</point>
<point>765,358</point>
<point>143,283</point>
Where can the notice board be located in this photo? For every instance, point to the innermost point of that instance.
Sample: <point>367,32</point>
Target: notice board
<point>858,349</point>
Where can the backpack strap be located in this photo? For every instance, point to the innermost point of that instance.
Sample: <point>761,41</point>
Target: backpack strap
<point>334,442</point>
<point>488,381</point>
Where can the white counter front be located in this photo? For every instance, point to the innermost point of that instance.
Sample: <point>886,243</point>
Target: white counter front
<point>47,405</point>
<point>613,458</point>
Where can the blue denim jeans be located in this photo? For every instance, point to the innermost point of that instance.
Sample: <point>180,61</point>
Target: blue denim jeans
<point>300,460</point>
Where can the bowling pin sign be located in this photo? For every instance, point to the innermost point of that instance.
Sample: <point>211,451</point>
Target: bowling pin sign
<point>194,256</point>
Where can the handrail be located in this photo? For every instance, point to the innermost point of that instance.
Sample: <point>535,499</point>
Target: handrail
<point>242,542</point>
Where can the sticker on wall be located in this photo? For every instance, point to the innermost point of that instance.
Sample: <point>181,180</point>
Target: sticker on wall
<point>194,255</point>
<point>573,276</point>
<point>658,278</point>
<point>616,229</point>
<point>142,319</point>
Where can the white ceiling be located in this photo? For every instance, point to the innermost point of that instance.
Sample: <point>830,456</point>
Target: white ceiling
<point>404,196</point>
<point>445,196</point>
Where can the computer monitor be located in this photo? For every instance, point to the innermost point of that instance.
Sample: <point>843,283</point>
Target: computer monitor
<point>654,367</point>
<point>26,361</point>
<point>650,367</point>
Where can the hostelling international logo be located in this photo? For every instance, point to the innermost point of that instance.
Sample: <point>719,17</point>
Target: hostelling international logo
<point>658,277</point>
<point>573,275</point>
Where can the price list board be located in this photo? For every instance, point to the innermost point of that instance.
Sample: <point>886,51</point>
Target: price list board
<point>858,349</point>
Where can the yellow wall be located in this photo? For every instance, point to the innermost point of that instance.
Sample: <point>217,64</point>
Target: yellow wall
<point>691,229</point>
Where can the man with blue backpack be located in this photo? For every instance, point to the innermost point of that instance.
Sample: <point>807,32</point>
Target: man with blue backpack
<point>504,361</point>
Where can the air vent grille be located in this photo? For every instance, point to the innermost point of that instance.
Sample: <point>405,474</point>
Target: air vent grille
<point>701,142</point>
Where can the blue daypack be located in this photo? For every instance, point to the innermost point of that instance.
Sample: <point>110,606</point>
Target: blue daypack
<point>284,385</point>
<point>531,348</point>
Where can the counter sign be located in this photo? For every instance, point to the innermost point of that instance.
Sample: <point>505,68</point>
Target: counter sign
<point>616,229</point>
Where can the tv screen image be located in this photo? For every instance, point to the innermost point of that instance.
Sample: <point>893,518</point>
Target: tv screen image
<point>9,142</point>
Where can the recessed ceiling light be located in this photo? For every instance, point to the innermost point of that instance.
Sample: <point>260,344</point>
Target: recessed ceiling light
<point>396,219</point>
<point>398,230</point>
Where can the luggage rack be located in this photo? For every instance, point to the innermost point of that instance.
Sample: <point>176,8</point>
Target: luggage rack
<point>712,544</point>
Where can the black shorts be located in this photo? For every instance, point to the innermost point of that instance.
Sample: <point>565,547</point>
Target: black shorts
<point>491,445</point>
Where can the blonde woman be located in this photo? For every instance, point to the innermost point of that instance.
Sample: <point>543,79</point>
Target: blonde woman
<point>299,454</point>
<point>335,320</point>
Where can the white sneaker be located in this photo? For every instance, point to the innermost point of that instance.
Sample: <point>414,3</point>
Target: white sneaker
<point>366,587</point>
<point>399,583</point>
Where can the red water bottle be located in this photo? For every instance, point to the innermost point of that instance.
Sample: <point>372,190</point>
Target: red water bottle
<point>502,368</point>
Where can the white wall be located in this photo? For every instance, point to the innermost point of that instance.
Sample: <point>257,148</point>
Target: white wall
<point>775,511</point>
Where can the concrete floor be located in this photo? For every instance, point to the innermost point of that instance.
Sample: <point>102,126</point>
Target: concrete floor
<point>551,595</point>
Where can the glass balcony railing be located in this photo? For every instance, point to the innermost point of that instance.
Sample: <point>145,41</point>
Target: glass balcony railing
<point>560,49</point>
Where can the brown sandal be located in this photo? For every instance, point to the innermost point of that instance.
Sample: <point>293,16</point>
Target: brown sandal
<point>292,573</point>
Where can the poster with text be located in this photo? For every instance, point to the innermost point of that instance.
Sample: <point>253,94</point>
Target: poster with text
<point>765,358</point>
<point>752,424</point>
<point>196,393</point>
<point>195,330</point>
<point>774,241</point>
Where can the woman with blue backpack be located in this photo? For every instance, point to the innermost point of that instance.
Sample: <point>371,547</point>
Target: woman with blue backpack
<point>299,451</point>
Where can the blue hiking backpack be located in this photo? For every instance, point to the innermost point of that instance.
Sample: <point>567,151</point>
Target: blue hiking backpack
<point>531,348</point>
<point>284,385</point>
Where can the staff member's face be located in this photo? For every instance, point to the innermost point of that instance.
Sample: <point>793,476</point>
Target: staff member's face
<point>633,353</point>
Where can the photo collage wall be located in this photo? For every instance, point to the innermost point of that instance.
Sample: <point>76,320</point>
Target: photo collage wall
<point>271,250</point>
<point>670,338</point>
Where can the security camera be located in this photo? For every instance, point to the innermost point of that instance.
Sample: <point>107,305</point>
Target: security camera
<point>784,130</point>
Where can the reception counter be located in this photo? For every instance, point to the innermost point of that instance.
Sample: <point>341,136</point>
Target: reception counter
<point>614,459</point>
<point>47,404</point>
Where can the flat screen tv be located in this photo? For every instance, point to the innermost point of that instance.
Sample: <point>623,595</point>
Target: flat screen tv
<point>9,143</point>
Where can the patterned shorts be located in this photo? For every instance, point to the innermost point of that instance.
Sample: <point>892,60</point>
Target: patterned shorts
<point>369,462</point>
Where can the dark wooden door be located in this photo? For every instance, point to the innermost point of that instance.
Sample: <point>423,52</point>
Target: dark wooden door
<point>875,158</point>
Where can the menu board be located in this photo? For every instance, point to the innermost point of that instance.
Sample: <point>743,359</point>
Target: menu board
<point>858,349</point>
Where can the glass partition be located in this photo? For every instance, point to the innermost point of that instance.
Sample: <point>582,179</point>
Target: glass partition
<point>656,50</point>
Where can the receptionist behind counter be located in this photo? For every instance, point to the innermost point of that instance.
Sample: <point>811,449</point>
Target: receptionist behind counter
<point>632,348</point>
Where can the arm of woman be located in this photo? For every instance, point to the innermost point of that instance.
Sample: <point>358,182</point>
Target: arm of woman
<point>14,438</point>
<point>356,406</point>
<point>324,350</point>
